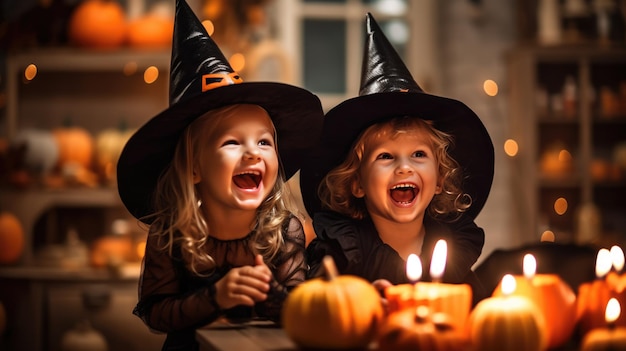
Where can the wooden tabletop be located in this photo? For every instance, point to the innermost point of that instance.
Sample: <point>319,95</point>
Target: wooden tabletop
<point>250,336</point>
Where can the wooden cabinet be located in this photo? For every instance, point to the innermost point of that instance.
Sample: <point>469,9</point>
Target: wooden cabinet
<point>43,304</point>
<point>95,90</point>
<point>568,116</point>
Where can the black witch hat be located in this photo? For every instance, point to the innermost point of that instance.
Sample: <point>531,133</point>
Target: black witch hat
<point>201,79</point>
<point>388,90</point>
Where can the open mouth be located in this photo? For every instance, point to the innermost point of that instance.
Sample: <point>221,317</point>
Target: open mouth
<point>403,193</point>
<point>248,180</point>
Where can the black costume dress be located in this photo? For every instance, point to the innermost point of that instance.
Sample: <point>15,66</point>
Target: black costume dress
<point>174,300</point>
<point>358,250</point>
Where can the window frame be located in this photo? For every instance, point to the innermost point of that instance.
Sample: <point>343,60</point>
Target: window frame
<point>422,57</point>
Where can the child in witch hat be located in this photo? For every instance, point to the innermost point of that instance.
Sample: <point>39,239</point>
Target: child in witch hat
<point>206,176</point>
<point>396,170</point>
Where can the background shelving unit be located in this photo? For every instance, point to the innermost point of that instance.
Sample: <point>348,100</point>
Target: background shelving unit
<point>96,90</point>
<point>568,114</point>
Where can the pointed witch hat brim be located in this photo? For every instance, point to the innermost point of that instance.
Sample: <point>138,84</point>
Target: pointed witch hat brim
<point>388,90</point>
<point>201,79</point>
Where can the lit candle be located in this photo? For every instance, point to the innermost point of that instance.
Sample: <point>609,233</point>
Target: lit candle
<point>610,337</point>
<point>507,321</point>
<point>438,261</point>
<point>554,298</point>
<point>617,257</point>
<point>453,300</point>
<point>413,268</point>
<point>614,278</point>
<point>404,296</point>
<point>594,296</point>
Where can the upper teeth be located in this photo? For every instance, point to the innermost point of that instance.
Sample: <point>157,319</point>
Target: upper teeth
<point>250,172</point>
<point>406,185</point>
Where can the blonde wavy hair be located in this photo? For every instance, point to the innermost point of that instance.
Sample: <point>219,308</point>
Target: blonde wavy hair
<point>177,219</point>
<point>335,190</point>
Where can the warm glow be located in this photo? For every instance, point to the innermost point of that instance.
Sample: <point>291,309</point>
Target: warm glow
<point>530,266</point>
<point>560,206</point>
<point>150,75</point>
<point>413,268</point>
<point>508,284</point>
<point>490,87</point>
<point>565,156</point>
<point>603,263</point>
<point>438,263</point>
<point>548,236</point>
<point>613,310</point>
<point>140,249</point>
<point>130,68</point>
<point>208,25</point>
<point>617,257</point>
<point>510,147</point>
<point>30,72</point>
<point>237,62</point>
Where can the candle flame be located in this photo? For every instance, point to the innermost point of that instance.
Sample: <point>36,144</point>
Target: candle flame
<point>617,256</point>
<point>438,262</point>
<point>613,311</point>
<point>413,268</point>
<point>603,263</point>
<point>508,284</point>
<point>530,266</point>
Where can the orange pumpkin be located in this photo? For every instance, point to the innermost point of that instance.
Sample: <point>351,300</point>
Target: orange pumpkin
<point>413,329</point>
<point>112,251</point>
<point>556,301</point>
<point>509,322</point>
<point>591,303</point>
<point>75,147</point>
<point>98,24</point>
<point>333,312</point>
<point>150,31</point>
<point>11,238</point>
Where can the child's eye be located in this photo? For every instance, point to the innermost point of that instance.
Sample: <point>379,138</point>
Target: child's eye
<point>384,156</point>
<point>230,142</point>
<point>266,142</point>
<point>419,154</point>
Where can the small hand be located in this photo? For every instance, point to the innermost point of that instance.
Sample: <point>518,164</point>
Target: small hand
<point>243,285</point>
<point>381,285</point>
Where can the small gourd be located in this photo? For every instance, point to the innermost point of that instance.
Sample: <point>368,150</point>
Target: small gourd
<point>11,238</point>
<point>41,150</point>
<point>415,329</point>
<point>76,146</point>
<point>333,312</point>
<point>108,147</point>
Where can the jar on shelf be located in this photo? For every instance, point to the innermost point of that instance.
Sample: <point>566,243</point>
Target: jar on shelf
<point>570,97</point>
<point>549,22</point>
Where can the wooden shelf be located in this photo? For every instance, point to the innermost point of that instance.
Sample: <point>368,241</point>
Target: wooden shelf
<point>586,134</point>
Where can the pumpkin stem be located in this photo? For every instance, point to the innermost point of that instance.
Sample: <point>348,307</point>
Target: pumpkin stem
<point>330,268</point>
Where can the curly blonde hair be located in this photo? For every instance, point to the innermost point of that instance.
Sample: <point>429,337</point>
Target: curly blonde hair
<point>177,219</point>
<point>335,190</point>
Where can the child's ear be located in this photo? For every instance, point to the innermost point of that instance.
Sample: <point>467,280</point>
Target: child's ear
<point>357,190</point>
<point>439,187</point>
<point>196,176</point>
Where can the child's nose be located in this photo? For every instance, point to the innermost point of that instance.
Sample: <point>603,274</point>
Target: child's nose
<point>252,152</point>
<point>403,168</point>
